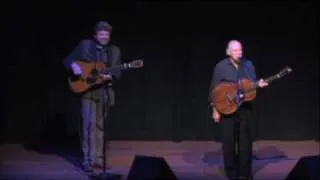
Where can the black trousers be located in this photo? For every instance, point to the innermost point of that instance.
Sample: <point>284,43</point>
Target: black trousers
<point>242,118</point>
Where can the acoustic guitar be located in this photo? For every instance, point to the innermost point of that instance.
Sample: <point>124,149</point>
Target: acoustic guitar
<point>93,72</point>
<point>228,96</point>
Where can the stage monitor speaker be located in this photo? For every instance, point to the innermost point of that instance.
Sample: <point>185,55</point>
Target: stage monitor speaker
<point>146,167</point>
<point>307,168</point>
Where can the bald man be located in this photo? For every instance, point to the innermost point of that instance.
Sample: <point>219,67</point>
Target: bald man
<point>231,69</point>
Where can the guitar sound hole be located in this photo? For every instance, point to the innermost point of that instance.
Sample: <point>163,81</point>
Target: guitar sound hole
<point>91,80</point>
<point>94,72</point>
<point>75,78</point>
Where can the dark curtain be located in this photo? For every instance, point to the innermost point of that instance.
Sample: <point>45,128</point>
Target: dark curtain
<point>167,99</point>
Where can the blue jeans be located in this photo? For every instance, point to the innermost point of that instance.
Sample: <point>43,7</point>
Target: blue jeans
<point>92,129</point>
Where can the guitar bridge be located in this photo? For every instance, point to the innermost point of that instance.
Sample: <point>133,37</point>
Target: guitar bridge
<point>229,98</point>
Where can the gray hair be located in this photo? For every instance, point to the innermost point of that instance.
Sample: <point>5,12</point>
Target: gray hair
<point>228,50</point>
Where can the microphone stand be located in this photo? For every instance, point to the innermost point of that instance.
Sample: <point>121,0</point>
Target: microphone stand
<point>105,111</point>
<point>105,175</point>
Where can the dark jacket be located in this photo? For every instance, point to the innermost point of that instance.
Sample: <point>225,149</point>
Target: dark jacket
<point>90,50</point>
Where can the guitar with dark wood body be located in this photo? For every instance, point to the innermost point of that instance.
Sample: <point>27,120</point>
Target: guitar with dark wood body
<point>93,72</point>
<point>228,97</point>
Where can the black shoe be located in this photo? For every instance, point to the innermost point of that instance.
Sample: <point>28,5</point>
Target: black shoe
<point>241,178</point>
<point>100,166</point>
<point>87,168</point>
<point>245,178</point>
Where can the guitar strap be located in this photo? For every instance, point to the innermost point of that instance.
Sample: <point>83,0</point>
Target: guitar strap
<point>87,53</point>
<point>102,53</point>
<point>109,55</point>
<point>248,70</point>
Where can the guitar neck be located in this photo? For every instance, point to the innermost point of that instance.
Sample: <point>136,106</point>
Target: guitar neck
<point>268,80</point>
<point>116,68</point>
<point>271,78</point>
<point>279,75</point>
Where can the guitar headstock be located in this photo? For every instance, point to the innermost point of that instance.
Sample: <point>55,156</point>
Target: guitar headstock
<point>284,71</point>
<point>135,63</point>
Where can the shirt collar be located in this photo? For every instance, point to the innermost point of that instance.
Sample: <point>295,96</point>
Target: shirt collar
<point>230,61</point>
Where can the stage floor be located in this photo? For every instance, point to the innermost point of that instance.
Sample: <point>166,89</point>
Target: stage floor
<point>187,159</point>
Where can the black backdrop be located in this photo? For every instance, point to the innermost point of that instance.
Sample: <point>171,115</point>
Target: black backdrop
<point>180,44</point>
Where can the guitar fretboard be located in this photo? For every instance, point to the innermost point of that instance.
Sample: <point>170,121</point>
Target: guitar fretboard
<point>272,78</point>
<point>268,80</point>
<point>115,68</point>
